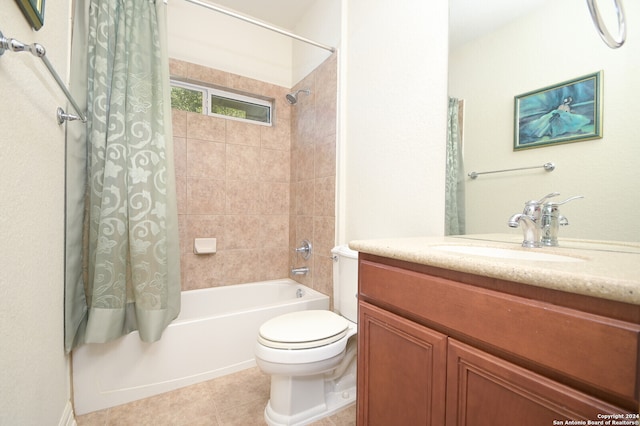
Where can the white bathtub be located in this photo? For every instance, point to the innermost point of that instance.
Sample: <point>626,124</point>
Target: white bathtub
<point>214,335</point>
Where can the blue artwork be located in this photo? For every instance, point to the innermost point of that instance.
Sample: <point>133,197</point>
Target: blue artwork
<point>567,112</point>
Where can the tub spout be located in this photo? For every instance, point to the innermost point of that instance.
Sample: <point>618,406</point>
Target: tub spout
<point>300,271</point>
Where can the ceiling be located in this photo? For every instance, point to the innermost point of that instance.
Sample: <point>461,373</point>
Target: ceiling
<point>468,18</point>
<point>281,13</point>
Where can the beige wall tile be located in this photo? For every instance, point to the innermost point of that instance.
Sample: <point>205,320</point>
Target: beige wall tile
<point>304,197</point>
<point>323,275</point>
<point>274,231</point>
<point>241,133</point>
<point>242,266</point>
<point>325,196</point>
<point>305,158</point>
<point>203,271</point>
<point>275,198</point>
<point>207,75</point>
<point>325,157</point>
<point>205,196</point>
<point>274,165</point>
<point>243,162</point>
<point>180,156</point>
<point>243,197</point>
<point>274,262</point>
<point>179,123</point>
<point>178,68</point>
<point>206,159</point>
<point>242,232</point>
<point>324,234</point>
<point>206,128</point>
<point>277,136</point>
<point>181,194</point>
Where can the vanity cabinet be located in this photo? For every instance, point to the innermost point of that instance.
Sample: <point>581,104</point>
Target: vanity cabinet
<point>438,347</point>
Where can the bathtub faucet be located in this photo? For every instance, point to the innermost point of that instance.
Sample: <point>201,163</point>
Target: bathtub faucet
<point>300,271</point>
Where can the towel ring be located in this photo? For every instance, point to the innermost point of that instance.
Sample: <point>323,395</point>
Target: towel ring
<point>604,33</point>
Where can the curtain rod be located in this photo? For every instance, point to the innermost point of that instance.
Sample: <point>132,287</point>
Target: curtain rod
<point>261,24</point>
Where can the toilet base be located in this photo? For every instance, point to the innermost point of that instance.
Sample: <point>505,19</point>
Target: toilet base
<point>304,399</point>
<point>332,402</point>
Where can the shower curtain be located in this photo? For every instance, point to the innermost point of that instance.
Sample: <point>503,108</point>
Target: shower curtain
<point>454,180</point>
<point>131,248</point>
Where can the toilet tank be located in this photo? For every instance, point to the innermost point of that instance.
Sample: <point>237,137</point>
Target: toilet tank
<point>345,282</point>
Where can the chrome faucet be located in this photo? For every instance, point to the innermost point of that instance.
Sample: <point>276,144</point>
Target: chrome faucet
<point>531,219</point>
<point>305,251</point>
<point>551,220</point>
<point>540,221</point>
<point>304,270</point>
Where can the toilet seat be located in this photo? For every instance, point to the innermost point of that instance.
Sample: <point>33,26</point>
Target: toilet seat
<point>303,330</point>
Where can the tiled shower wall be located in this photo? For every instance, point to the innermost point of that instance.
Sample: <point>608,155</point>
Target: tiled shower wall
<point>313,174</point>
<point>236,182</point>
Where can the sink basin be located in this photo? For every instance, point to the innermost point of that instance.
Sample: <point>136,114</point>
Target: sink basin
<point>502,253</point>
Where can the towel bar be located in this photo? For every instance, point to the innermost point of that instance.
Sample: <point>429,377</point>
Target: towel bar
<point>547,166</point>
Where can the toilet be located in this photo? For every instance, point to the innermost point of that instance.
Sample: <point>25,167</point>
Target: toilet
<point>311,355</point>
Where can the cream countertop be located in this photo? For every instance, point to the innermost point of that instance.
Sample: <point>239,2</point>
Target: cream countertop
<point>611,270</point>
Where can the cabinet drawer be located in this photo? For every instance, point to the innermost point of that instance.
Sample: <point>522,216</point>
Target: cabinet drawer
<point>599,352</point>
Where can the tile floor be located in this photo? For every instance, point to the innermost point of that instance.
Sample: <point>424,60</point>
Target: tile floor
<point>237,399</point>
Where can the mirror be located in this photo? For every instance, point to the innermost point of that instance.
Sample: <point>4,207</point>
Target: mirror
<point>500,49</point>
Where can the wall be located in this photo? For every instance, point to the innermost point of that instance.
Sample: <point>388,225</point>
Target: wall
<point>604,170</point>
<point>260,62</point>
<point>233,185</point>
<point>322,23</point>
<point>205,37</point>
<point>34,389</point>
<point>259,190</point>
<point>313,174</point>
<point>394,117</point>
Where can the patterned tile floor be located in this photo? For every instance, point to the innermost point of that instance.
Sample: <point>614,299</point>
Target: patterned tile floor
<point>237,399</point>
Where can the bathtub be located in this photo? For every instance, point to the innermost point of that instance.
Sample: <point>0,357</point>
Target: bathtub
<point>214,335</point>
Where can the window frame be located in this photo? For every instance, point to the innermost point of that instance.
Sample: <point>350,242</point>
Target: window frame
<point>208,91</point>
<point>193,87</point>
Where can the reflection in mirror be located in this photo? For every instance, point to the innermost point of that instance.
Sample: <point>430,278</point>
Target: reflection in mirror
<point>527,45</point>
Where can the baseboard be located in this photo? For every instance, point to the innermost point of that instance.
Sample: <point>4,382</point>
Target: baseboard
<point>67,418</point>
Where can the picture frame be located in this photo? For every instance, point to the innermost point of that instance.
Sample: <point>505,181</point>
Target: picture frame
<point>566,112</point>
<point>33,10</point>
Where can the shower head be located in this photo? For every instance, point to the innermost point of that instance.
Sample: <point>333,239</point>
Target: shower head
<point>292,97</point>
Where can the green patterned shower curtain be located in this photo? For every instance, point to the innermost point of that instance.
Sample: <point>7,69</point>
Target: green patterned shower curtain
<point>131,252</point>
<point>454,180</point>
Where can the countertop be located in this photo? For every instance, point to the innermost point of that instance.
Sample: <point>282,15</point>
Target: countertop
<point>609,270</point>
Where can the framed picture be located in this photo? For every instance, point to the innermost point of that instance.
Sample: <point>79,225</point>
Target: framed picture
<point>33,10</point>
<point>566,112</point>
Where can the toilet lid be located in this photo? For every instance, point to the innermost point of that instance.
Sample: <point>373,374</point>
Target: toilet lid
<point>303,330</point>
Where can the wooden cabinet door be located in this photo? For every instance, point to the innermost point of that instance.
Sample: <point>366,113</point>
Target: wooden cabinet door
<point>401,370</point>
<point>485,390</point>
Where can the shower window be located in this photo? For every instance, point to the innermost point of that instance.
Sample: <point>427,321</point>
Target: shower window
<point>186,97</point>
<point>222,103</point>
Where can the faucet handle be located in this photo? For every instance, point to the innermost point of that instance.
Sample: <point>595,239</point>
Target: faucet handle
<point>566,201</point>
<point>543,199</point>
<point>534,207</point>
